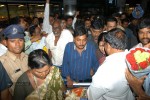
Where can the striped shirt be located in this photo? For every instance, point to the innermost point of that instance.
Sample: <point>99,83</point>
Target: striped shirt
<point>78,66</point>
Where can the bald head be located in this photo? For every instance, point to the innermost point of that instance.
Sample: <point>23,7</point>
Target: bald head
<point>57,27</point>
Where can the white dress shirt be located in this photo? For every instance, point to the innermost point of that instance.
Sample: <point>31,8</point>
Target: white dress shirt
<point>109,82</point>
<point>58,50</point>
<point>3,49</point>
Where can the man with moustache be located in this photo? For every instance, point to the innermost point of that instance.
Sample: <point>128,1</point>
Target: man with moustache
<point>14,60</point>
<point>56,43</point>
<point>135,83</point>
<point>144,32</point>
<point>79,61</point>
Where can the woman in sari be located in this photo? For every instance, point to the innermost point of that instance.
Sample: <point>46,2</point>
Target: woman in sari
<point>41,82</point>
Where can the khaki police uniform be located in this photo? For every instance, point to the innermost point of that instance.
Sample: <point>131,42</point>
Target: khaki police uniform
<point>14,66</point>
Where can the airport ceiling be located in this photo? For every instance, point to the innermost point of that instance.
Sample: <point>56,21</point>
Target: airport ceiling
<point>85,1</point>
<point>80,3</point>
<point>45,0</point>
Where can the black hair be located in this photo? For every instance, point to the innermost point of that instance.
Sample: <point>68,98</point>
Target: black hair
<point>123,14</point>
<point>3,24</point>
<point>125,20</point>
<point>100,37</point>
<point>63,18</point>
<point>116,38</point>
<point>38,59</point>
<point>87,19</point>
<point>116,15</point>
<point>79,31</point>
<point>111,19</point>
<point>32,29</point>
<point>97,24</point>
<point>51,15</point>
<point>79,23</point>
<point>17,20</point>
<point>40,20</point>
<point>2,37</point>
<point>34,17</point>
<point>145,23</point>
<point>68,17</point>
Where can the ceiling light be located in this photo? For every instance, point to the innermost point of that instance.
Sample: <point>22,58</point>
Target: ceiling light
<point>40,5</point>
<point>20,5</point>
<point>2,5</point>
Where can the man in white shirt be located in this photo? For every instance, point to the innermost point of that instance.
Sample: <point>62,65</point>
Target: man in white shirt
<point>56,42</point>
<point>109,81</point>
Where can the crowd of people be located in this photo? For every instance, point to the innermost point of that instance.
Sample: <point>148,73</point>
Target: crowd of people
<point>42,57</point>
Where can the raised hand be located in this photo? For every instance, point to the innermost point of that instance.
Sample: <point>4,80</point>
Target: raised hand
<point>77,13</point>
<point>47,1</point>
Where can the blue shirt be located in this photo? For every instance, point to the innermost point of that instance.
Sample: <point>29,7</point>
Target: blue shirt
<point>78,66</point>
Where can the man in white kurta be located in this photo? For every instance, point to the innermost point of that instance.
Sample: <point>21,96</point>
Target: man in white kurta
<point>109,82</point>
<point>57,51</point>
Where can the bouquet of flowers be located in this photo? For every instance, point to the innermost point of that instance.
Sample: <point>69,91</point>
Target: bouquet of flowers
<point>76,93</point>
<point>138,62</point>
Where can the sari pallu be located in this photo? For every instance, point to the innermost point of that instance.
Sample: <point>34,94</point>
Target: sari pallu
<point>51,89</point>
